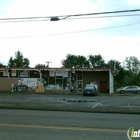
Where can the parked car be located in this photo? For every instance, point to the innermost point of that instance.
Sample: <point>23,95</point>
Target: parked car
<point>129,89</point>
<point>90,90</point>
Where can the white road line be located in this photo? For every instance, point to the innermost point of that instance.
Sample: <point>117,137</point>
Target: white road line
<point>61,104</point>
<point>95,105</point>
<point>129,106</point>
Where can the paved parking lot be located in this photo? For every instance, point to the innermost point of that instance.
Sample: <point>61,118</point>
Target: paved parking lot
<point>65,102</point>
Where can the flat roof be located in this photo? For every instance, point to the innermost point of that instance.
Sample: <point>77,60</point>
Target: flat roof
<point>61,69</point>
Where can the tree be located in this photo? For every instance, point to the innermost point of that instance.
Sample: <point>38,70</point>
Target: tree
<point>132,68</point>
<point>75,61</point>
<point>113,64</point>
<point>82,62</point>
<point>11,62</point>
<point>40,66</point>
<point>96,61</point>
<point>18,61</point>
<point>132,64</point>
<point>1,65</point>
<point>26,62</point>
<point>119,73</point>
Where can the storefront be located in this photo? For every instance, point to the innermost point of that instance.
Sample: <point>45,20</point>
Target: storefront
<point>62,78</point>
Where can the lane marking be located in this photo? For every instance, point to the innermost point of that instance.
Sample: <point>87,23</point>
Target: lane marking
<point>63,128</point>
<point>129,106</point>
<point>95,105</point>
<point>61,104</point>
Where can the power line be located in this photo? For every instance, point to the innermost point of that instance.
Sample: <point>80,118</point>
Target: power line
<point>73,18</point>
<point>67,16</point>
<point>65,33</point>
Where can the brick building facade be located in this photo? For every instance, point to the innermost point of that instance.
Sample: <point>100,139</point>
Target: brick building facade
<point>61,78</point>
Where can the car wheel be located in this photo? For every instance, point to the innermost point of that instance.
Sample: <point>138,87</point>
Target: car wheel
<point>138,92</point>
<point>122,92</point>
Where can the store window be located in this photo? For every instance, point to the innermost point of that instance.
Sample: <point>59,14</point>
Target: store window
<point>59,79</point>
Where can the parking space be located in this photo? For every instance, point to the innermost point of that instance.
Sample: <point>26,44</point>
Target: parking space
<point>101,103</point>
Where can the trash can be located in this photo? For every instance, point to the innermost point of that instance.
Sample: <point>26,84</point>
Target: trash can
<point>14,88</point>
<point>22,88</point>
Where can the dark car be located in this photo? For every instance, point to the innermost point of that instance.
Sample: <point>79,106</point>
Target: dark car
<point>129,89</point>
<point>90,90</point>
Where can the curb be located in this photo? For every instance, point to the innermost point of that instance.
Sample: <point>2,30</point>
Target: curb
<point>70,110</point>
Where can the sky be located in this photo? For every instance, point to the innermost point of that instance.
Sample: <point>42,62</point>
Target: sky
<point>41,41</point>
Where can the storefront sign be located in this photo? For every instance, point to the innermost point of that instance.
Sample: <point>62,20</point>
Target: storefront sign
<point>5,73</point>
<point>65,73</point>
<point>59,73</point>
<point>13,73</point>
<point>62,73</point>
<point>52,74</point>
<point>24,74</point>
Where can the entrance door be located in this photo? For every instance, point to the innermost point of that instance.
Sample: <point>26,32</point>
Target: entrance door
<point>79,85</point>
<point>103,86</point>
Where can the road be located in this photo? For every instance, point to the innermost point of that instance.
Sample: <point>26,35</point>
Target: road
<point>57,125</point>
<point>60,102</point>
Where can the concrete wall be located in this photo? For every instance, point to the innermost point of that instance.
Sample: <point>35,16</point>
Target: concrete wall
<point>5,83</point>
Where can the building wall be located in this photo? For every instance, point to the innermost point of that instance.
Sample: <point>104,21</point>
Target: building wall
<point>5,83</point>
<point>87,76</point>
<point>91,76</point>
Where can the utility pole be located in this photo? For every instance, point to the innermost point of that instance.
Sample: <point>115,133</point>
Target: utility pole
<point>48,62</point>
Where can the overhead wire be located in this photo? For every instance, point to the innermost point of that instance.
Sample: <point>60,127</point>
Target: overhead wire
<point>65,33</point>
<point>76,16</point>
<point>62,17</point>
<point>132,15</point>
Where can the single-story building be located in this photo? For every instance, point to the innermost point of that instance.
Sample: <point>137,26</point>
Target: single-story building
<point>58,78</point>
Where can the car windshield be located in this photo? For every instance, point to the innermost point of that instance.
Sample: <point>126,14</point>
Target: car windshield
<point>89,88</point>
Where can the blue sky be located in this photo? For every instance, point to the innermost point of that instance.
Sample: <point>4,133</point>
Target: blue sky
<point>113,38</point>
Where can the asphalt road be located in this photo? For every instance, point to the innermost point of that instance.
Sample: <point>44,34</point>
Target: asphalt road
<point>64,102</point>
<point>57,125</point>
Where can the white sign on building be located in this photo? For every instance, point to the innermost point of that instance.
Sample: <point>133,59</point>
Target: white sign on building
<point>65,73</point>
<point>13,73</point>
<point>24,74</point>
<point>5,73</point>
<point>52,73</point>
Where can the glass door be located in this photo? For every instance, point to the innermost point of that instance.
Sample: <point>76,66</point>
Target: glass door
<point>80,85</point>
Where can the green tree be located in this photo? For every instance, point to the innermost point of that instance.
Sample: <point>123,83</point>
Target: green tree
<point>26,62</point>
<point>82,62</point>
<point>11,62</point>
<point>113,64</point>
<point>18,61</point>
<point>132,64</point>
<point>119,73</point>
<point>96,61</point>
<point>132,68</point>
<point>1,65</point>
<point>75,61</point>
<point>40,66</point>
